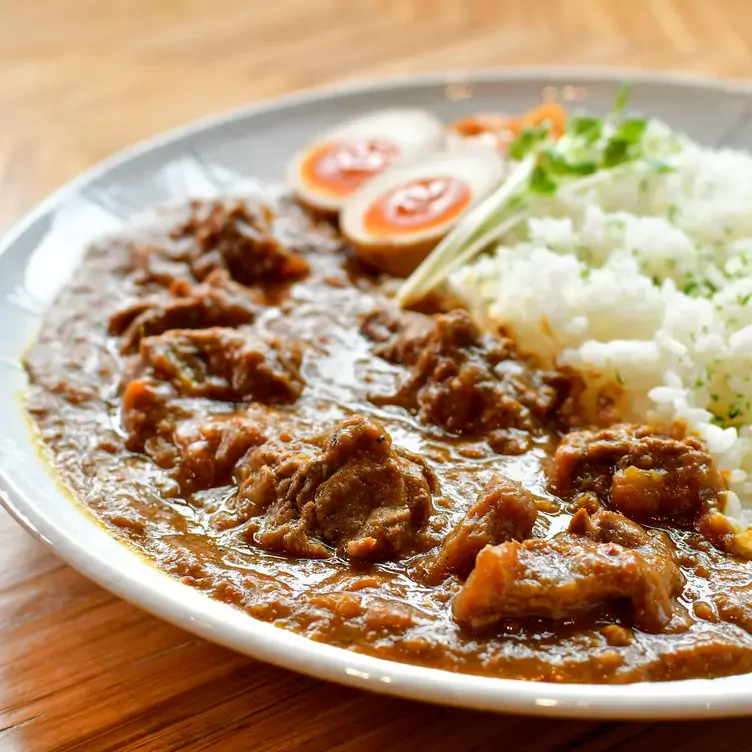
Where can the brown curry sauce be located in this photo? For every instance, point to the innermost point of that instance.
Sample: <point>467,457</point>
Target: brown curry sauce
<point>229,392</point>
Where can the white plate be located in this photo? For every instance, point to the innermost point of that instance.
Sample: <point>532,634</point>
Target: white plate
<point>42,251</point>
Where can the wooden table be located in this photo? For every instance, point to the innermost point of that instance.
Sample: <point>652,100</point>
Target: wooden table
<point>79,79</point>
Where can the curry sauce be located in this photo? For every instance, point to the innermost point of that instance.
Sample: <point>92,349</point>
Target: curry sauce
<point>230,392</point>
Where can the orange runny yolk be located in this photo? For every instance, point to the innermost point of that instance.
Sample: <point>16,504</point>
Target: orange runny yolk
<point>416,206</point>
<point>338,169</point>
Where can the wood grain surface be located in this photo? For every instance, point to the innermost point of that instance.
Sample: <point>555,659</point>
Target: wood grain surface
<point>79,79</point>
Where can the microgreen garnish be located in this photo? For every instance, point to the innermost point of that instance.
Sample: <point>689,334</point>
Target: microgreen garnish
<point>540,182</point>
<point>588,129</point>
<point>591,151</point>
<point>527,141</point>
<point>621,101</point>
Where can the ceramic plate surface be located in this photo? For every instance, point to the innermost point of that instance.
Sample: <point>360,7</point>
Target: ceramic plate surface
<point>41,253</point>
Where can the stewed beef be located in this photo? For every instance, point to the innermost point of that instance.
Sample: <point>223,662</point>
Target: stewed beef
<point>209,448</point>
<point>200,451</point>
<point>149,414</point>
<point>504,511</point>
<point>218,301</point>
<point>237,236</point>
<point>221,363</point>
<point>467,382</point>
<point>400,336</point>
<point>639,471</point>
<point>566,577</point>
<point>349,489</point>
<point>600,561</point>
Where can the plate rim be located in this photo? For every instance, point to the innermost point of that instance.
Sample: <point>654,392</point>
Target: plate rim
<point>223,624</point>
<point>556,74</point>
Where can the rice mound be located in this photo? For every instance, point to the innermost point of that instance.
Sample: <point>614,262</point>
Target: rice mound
<point>645,281</point>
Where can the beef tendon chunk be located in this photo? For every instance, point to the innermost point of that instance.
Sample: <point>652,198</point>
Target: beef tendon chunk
<point>237,236</point>
<point>468,383</point>
<point>349,490</point>
<point>219,363</point>
<point>216,302</point>
<point>504,511</point>
<point>639,471</point>
<point>571,576</point>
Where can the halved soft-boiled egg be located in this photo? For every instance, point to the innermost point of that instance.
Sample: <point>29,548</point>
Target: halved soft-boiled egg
<point>339,162</point>
<point>395,220</point>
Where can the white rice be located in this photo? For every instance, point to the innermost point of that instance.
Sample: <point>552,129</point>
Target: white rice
<point>646,281</point>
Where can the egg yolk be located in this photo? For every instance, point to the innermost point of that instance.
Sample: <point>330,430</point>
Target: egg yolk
<point>338,169</point>
<point>417,206</point>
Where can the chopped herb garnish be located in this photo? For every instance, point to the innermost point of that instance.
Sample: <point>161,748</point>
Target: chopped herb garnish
<point>540,182</point>
<point>626,143</point>
<point>631,131</point>
<point>615,153</point>
<point>589,129</point>
<point>619,379</point>
<point>527,141</point>
<point>690,288</point>
<point>556,164</point>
